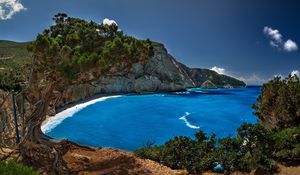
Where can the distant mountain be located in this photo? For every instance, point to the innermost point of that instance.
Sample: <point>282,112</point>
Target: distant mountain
<point>199,76</point>
<point>13,54</point>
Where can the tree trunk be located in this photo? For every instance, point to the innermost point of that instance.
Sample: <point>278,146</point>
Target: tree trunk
<point>37,149</point>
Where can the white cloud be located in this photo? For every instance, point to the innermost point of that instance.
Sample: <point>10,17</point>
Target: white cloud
<point>109,22</point>
<point>276,40</point>
<point>273,34</point>
<point>219,70</point>
<point>295,72</point>
<point>253,79</point>
<point>290,46</point>
<point>10,7</point>
<point>274,44</point>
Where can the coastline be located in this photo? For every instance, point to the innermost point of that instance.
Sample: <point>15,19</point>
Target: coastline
<point>99,95</point>
<point>52,121</point>
<point>69,109</point>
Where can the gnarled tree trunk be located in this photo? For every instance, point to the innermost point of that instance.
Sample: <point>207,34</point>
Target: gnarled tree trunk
<point>36,148</point>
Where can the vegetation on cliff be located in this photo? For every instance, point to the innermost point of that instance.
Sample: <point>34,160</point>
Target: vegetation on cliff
<point>255,147</point>
<point>11,167</point>
<point>279,103</point>
<point>73,46</point>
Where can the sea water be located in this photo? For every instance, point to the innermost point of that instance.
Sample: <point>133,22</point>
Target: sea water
<point>130,121</point>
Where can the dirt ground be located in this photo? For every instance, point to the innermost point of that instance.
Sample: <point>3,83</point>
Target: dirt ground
<point>98,161</point>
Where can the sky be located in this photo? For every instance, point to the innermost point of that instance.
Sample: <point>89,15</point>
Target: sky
<point>252,40</point>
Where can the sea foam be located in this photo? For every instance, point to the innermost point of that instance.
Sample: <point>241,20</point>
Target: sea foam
<point>52,122</point>
<point>188,124</point>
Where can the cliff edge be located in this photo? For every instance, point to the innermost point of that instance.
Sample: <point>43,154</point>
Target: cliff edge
<point>160,73</point>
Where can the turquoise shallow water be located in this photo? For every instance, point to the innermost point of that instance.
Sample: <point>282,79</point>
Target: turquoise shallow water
<point>128,122</point>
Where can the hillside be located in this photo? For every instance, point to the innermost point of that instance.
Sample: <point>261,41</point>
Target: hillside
<point>13,54</point>
<point>13,58</point>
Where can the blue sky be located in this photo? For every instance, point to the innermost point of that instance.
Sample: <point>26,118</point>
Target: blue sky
<point>248,39</point>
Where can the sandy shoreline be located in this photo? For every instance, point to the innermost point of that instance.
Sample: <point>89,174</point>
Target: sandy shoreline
<point>69,110</point>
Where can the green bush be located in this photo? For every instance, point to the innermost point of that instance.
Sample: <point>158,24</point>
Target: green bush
<point>279,103</point>
<point>287,144</point>
<point>251,150</point>
<point>11,167</point>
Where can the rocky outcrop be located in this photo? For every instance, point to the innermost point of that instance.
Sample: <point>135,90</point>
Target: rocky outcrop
<point>158,74</point>
<point>208,84</point>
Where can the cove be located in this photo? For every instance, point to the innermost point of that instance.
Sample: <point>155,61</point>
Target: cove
<point>130,121</point>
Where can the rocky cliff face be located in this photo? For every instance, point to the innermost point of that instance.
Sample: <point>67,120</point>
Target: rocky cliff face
<point>160,73</point>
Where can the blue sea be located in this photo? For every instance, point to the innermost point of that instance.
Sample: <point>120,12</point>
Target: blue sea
<point>128,122</point>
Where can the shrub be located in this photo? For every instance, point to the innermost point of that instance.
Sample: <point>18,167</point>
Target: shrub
<point>11,167</point>
<point>287,144</point>
<point>250,150</point>
<point>279,103</point>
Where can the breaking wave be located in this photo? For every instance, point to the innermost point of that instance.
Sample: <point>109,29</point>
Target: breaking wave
<point>188,124</point>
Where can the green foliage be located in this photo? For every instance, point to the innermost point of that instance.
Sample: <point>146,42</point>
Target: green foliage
<point>287,144</point>
<point>250,150</point>
<point>230,153</point>
<point>177,152</point>
<point>279,103</point>
<point>11,167</point>
<point>183,152</point>
<point>256,147</point>
<point>72,46</point>
<point>152,152</point>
